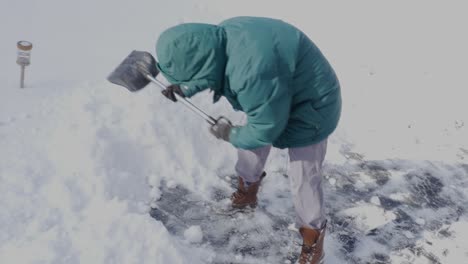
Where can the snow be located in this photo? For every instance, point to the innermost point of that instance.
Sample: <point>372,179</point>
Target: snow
<point>171,184</point>
<point>369,216</point>
<point>155,193</point>
<point>375,200</point>
<point>420,221</point>
<point>194,234</point>
<point>82,161</point>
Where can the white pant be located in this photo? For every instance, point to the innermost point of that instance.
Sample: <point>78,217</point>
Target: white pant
<point>305,174</point>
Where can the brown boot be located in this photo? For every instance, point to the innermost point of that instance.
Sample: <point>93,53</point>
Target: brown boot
<point>312,247</point>
<point>244,197</point>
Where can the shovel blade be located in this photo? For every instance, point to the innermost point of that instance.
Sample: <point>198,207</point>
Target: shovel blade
<point>131,73</point>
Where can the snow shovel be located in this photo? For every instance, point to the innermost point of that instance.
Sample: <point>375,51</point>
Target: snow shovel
<point>138,70</point>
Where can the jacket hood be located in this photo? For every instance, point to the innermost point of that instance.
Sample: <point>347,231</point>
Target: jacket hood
<point>193,54</point>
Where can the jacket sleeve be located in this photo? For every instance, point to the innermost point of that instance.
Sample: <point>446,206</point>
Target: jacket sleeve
<point>193,87</point>
<point>189,88</point>
<point>267,105</point>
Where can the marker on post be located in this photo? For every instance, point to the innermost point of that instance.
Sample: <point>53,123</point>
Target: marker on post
<point>24,57</point>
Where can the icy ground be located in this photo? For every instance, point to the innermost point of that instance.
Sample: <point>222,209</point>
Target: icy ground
<point>391,211</point>
<point>90,173</point>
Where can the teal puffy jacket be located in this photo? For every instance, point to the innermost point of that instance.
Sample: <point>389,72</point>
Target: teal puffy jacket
<point>264,67</point>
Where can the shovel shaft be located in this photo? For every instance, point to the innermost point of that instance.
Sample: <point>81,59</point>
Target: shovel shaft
<point>185,102</point>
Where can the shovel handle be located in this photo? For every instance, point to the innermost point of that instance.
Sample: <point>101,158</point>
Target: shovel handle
<point>185,102</point>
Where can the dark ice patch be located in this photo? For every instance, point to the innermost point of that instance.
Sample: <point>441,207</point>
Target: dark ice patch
<point>426,190</point>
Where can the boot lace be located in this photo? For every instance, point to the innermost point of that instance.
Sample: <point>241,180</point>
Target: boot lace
<point>308,253</point>
<point>239,194</point>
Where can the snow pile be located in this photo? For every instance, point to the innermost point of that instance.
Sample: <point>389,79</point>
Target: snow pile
<point>78,191</point>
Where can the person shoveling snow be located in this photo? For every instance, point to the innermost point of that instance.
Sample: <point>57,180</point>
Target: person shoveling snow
<point>276,75</point>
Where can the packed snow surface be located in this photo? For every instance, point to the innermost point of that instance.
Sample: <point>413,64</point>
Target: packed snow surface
<point>90,173</point>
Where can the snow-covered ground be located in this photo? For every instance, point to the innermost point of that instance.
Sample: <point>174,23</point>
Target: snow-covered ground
<point>82,161</point>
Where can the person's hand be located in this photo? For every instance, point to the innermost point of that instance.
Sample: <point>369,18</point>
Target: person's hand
<point>170,92</point>
<point>221,129</point>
